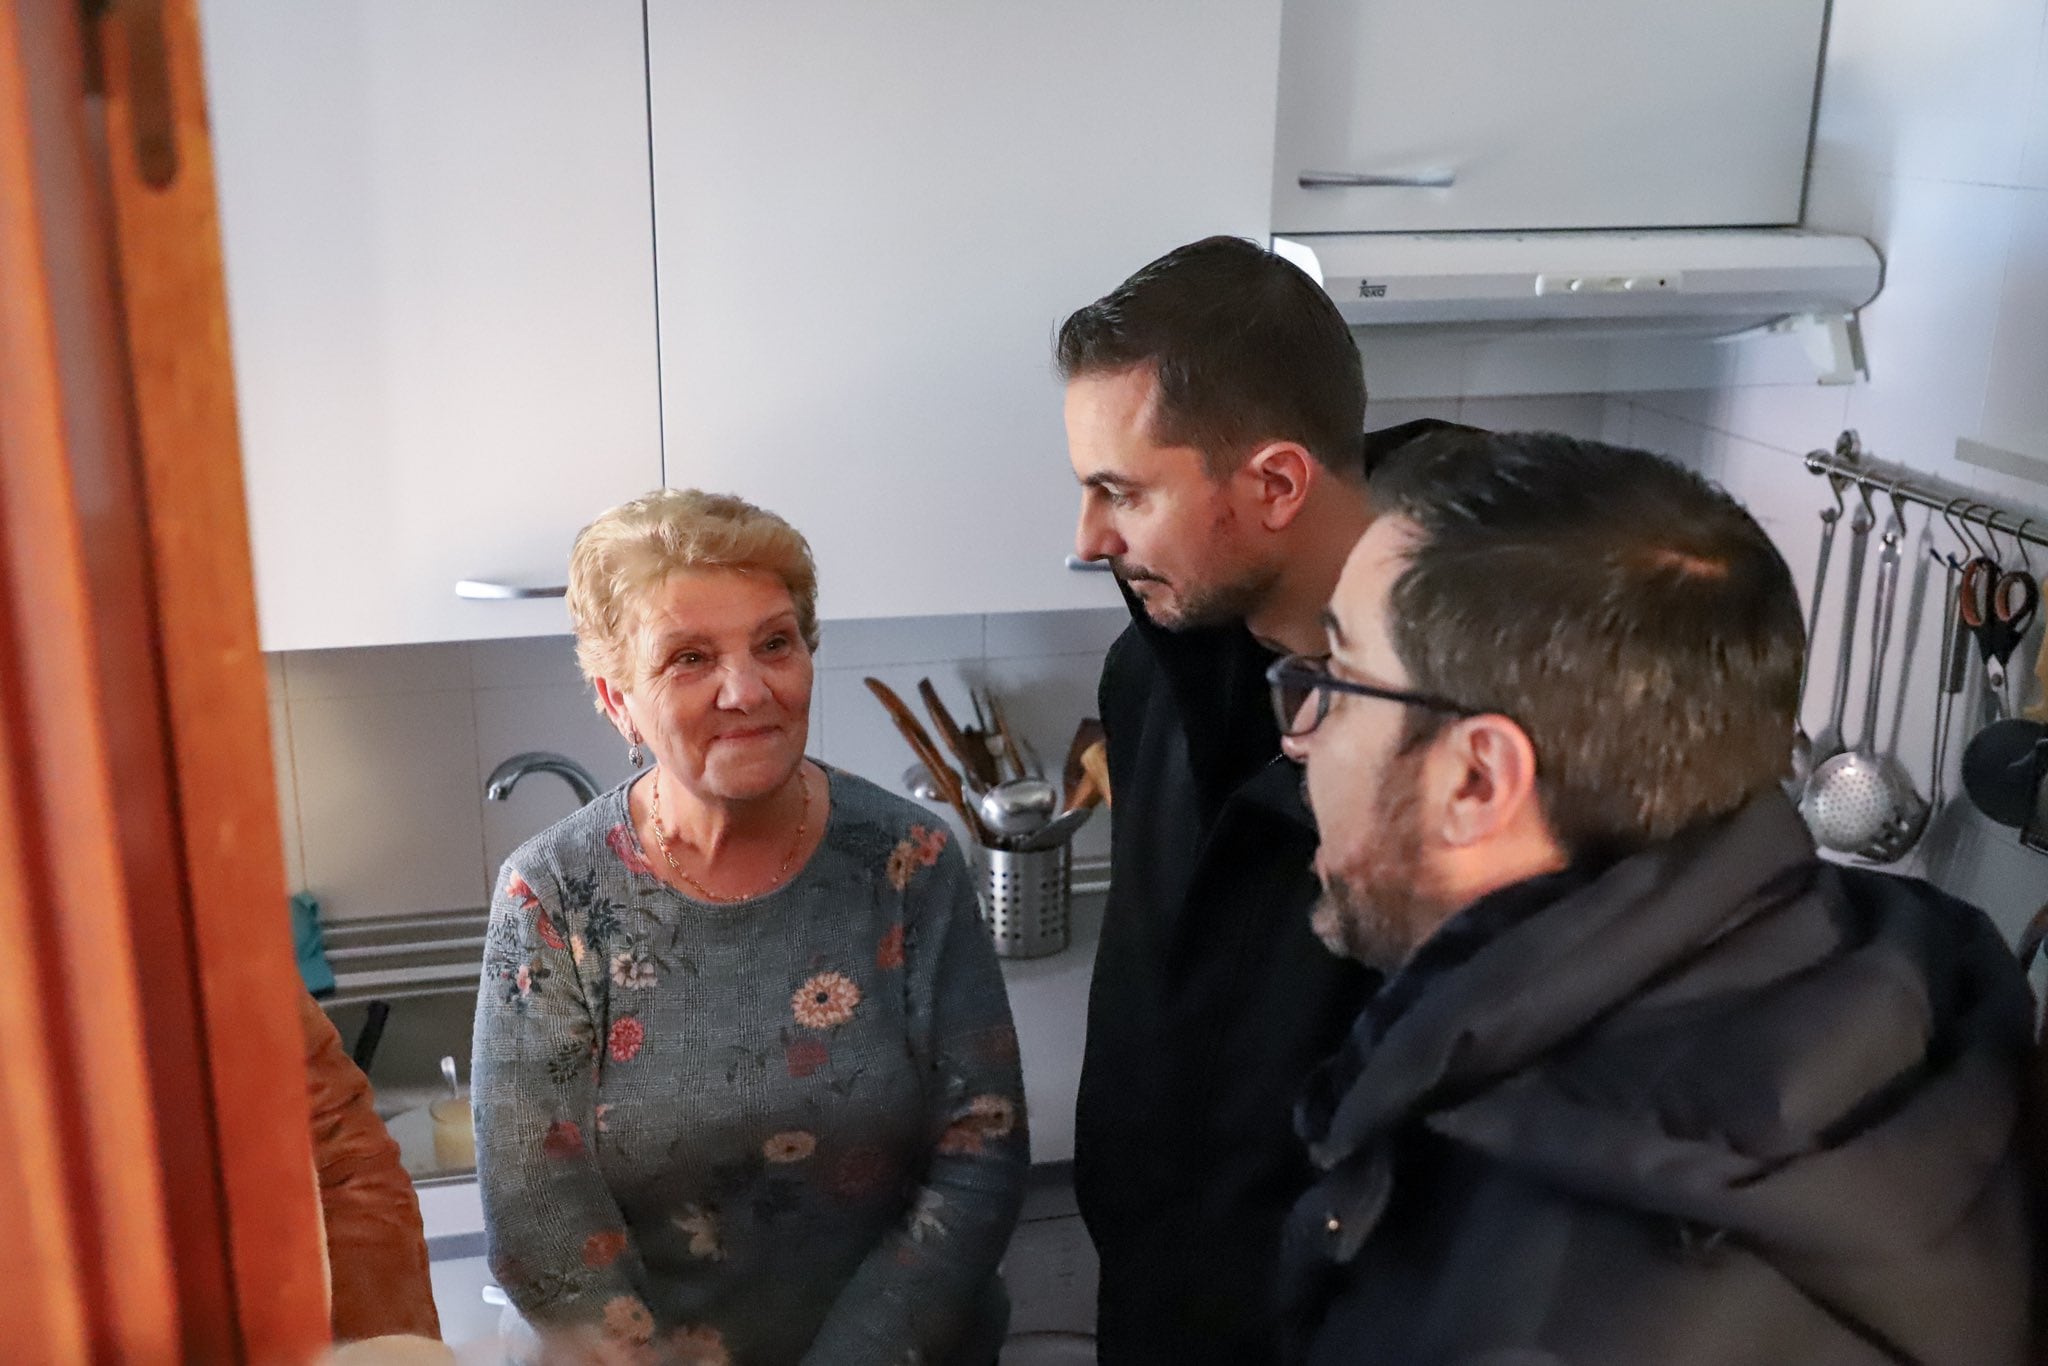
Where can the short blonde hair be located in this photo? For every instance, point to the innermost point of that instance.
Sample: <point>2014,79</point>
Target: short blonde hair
<point>627,552</point>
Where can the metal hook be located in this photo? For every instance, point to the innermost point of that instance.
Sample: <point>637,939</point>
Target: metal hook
<point>1898,504</point>
<point>1955,526</point>
<point>2020,539</point>
<point>1991,525</point>
<point>1838,482</point>
<point>1863,492</point>
<point>1977,547</point>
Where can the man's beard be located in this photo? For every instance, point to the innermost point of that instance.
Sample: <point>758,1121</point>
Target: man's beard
<point>1379,912</point>
<point>1202,605</point>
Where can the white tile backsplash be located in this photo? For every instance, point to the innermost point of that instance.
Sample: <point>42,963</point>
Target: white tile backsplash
<point>2034,157</point>
<point>898,640</point>
<point>1501,366</point>
<point>287,791</point>
<point>525,662</point>
<point>1021,635</point>
<point>1789,418</point>
<point>2016,399</point>
<point>507,722</point>
<point>1929,334</point>
<point>1668,429</point>
<point>380,670</point>
<point>1839,199</point>
<point>1573,414</point>
<point>382,754</point>
<point>390,801</point>
<point>1618,424</point>
<point>1392,412</point>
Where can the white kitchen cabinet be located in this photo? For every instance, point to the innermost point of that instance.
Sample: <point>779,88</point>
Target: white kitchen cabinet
<point>1551,114</point>
<point>871,218</point>
<point>437,225</point>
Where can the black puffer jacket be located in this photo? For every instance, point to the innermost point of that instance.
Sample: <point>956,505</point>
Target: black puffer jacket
<point>1211,1003</point>
<point>1723,1104</point>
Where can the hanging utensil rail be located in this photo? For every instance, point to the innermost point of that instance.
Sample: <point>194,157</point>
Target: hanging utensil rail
<point>1849,460</point>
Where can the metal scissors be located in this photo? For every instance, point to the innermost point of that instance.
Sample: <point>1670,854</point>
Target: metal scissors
<point>1997,606</point>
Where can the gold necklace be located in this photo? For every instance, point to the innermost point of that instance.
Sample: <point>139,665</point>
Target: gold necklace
<point>803,827</point>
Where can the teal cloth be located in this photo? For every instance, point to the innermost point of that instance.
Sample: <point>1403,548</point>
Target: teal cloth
<point>311,946</point>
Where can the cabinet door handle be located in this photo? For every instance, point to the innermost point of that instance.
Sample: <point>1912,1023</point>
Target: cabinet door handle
<point>1081,566</point>
<point>1347,180</point>
<point>486,590</point>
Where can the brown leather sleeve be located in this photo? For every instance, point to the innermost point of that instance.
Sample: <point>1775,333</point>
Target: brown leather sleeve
<point>376,1247</point>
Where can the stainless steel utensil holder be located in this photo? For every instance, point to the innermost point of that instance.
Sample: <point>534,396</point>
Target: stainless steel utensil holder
<point>1027,899</point>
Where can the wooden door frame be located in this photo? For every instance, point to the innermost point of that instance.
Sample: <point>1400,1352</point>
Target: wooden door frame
<point>154,1136</point>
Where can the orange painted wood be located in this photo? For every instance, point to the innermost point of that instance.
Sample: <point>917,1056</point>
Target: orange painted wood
<point>48,1305</point>
<point>79,680</point>
<point>153,1069</point>
<point>173,285</point>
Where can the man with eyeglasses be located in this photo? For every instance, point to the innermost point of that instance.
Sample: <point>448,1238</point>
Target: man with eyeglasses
<point>1214,407</point>
<point>1649,1081</point>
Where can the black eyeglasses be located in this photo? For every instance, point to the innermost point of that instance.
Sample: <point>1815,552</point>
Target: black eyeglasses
<point>1297,678</point>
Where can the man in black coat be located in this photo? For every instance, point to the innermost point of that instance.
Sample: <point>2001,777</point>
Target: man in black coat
<point>1214,408</point>
<point>1649,1081</point>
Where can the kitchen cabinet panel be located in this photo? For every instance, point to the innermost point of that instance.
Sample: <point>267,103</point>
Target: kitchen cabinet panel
<point>437,226</point>
<point>1556,114</point>
<point>870,220</point>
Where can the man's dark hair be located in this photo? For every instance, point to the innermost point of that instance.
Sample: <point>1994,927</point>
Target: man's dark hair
<point>1247,348</point>
<point>1632,618</point>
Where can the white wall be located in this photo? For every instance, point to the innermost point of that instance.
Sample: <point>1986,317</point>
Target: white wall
<point>1933,142</point>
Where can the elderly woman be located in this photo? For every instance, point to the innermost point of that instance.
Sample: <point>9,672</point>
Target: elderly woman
<point>746,1084</point>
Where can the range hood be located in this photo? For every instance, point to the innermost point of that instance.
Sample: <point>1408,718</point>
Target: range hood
<point>1690,282</point>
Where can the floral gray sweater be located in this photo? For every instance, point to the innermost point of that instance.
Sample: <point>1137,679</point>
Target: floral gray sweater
<point>789,1129</point>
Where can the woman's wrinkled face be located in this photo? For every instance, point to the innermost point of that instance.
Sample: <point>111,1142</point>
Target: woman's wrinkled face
<point>722,686</point>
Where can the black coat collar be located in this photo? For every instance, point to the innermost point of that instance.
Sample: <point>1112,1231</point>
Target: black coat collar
<point>1514,974</point>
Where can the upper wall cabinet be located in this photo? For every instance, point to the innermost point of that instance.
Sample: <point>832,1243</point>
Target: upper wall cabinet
<point>870,220</point>
<point>440,273</point>
<point>1428,115</point>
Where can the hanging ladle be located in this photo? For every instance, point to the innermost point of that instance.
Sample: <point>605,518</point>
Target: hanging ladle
<point>1831,740</point>
<point>1910,811</point>
<point>1854,797</point>
<point>1802,743</point>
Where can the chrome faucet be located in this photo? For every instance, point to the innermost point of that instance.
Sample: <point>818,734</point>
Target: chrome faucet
<point>507,775</point>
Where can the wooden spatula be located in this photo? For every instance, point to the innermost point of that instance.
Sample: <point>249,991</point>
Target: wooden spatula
<point>1072,774</point>
<point>921,745</point>
<point>977,765</point>
<point>1095,762</point>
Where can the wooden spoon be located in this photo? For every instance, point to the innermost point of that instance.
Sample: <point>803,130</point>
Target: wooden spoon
<point>921,745</point>
<point>1095,762</point>
<point>971,759</point>
<point>1072,775</point>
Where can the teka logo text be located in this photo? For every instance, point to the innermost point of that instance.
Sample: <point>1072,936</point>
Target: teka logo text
<point>1368,290</point>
